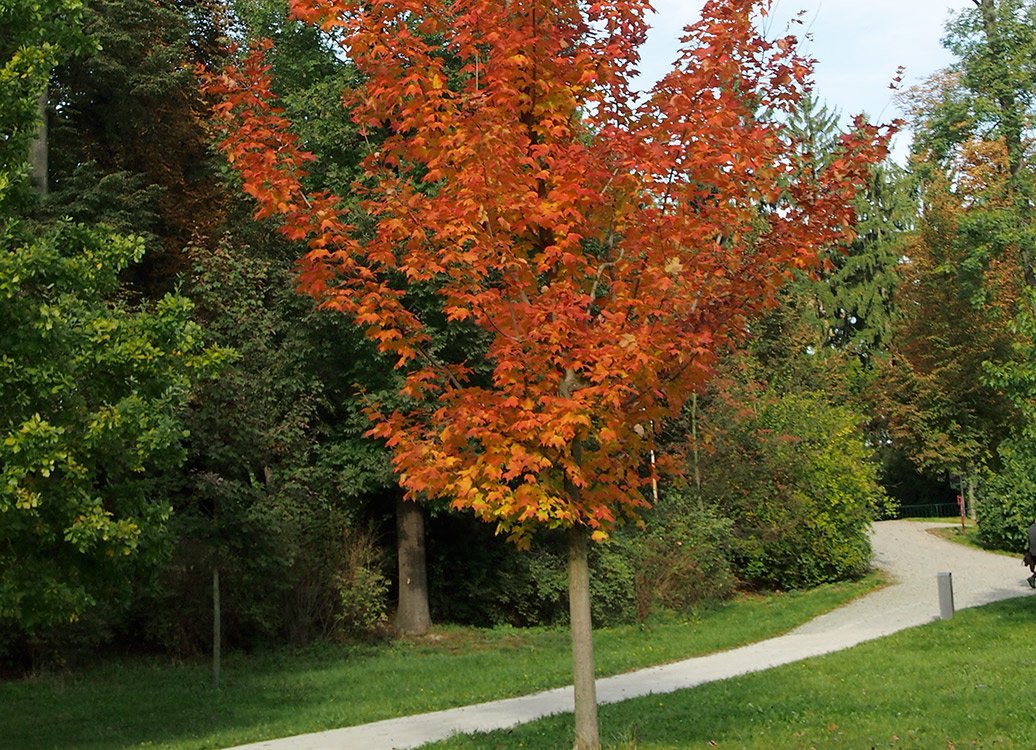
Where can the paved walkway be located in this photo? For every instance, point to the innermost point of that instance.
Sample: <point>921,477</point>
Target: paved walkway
<point>904,549</point>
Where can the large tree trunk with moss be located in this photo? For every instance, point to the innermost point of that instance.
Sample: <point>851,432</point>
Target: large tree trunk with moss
<point>413,616</point>
<point>587,732</point>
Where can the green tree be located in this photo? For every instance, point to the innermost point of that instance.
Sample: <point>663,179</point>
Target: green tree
<point>959,327</point>
<point>1003,523</point>
<point>849,301</point>
<point>92,394</point>
<point>276,458</point>
<point>854,296</point>
<point>128,141</point>
<point>91,389</point>
<point>992,101</point>
<point>793,474</point>
<point>954,312</point>
<point>37,36</point>
<point>278,474</point>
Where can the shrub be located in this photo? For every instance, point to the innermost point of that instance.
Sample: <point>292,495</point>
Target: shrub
<point>796,479</point>
<point>533,589</point>
<point>361,601</point>
<point>683,557</point>
<point>361,587</point>
<point>505,586</point>
<point>1008,506</point>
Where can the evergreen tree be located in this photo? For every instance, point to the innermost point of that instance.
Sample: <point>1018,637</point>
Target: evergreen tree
<point>849,300</point>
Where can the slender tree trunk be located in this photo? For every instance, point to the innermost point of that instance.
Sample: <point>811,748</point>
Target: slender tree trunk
<point>38,150</point>
<point>217,636</point>
<point>972,508</point>
<point>697,455</point>
<point>588,735</point>
<point>587,732</point>
<point>413,616</point>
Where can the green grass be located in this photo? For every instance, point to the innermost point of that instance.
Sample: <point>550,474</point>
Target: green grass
<point>961,683</point>
<point>151,704</point>
<point>969,537</point>
<point>944,519</point>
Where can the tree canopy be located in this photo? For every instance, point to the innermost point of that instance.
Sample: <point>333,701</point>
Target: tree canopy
<point>91,388</point>
<point>607,248</point>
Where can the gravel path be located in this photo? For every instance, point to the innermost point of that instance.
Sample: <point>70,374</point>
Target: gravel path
<point>905,549</point>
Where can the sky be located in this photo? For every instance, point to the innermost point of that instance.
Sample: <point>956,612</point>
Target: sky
<point>858,45</point>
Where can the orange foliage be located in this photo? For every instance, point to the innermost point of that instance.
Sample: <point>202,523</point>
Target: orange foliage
<point>608,245</point>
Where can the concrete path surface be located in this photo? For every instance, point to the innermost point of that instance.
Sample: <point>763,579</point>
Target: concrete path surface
<point>904,549</point>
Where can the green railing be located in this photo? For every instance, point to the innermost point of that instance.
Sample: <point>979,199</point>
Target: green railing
<point>932,510</point>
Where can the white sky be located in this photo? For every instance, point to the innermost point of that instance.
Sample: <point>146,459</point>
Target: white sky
<point>858,44</point>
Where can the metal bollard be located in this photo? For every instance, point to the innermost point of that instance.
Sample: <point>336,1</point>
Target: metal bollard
<point>945,595</point>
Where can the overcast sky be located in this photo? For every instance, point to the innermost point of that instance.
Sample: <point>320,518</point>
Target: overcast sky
<point>858,45</point>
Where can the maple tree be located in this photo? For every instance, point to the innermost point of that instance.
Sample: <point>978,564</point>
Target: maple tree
<point>606,244</point>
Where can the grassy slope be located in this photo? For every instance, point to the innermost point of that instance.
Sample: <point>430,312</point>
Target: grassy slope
<point>150,704</point>
<point>962,683</point>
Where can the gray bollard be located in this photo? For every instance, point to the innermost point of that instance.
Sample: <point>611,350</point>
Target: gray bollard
<point>945,595</point>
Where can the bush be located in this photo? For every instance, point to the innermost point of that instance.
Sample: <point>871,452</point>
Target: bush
<point>800,486</point>
<point>361,586</point>
<point>683,557</point>
<point>1008,505</point>
<point>289,572</point>
<point>533,587</point>
<point>502,585</point>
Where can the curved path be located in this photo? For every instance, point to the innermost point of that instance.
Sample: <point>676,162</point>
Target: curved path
<point>905,549</point>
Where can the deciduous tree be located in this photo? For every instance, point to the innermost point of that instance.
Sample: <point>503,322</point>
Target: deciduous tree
<point>128,141</point>
<point>958,342</point>
<point>91,389</point>
<point>605,246</point>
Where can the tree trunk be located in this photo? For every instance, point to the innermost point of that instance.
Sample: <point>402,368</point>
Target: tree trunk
<point>972,508</point>
<point>217,637</point>
<point>38,150</point>
<point>587,732</point>
<point>412,617</point>
<point>696,455</point>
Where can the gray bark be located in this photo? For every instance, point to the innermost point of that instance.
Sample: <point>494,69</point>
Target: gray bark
<point>38,150</point>
<point>587,730</point>
<point>413,616</point>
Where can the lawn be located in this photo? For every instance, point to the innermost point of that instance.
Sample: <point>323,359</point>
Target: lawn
<point>968,537</point>
<point>139,703</point>
<point>961,683</point>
